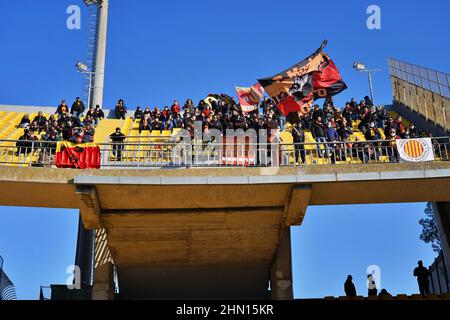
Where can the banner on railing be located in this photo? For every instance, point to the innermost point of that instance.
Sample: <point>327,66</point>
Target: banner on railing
<point>77,156</point>
<point>415,150</point>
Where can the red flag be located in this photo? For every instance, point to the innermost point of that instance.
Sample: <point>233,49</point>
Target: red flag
<point>249,97</point>
<point>295,89</point>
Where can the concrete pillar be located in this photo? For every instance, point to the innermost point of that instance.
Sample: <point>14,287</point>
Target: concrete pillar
<point>442,216</point>
<point>84,257</point>
<point>103,288</point>
<point>281,272</point>
<point>100,55</point>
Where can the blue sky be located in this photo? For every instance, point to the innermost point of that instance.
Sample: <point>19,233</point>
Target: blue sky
<point>159,51</point>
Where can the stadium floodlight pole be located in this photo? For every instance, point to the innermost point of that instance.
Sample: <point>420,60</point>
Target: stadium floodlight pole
<point>84,70</point>
<point>100,50</point>
<point>361,67</point>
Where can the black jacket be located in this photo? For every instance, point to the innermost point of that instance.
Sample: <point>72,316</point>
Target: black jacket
<point>318,130</point>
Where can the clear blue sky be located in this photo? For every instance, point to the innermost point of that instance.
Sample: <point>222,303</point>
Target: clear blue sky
<point>159,51</point>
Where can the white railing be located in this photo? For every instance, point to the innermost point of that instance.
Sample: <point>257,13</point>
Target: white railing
<point>144,154</point>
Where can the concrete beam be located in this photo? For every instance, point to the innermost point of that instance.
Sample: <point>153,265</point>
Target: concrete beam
<point>89,206</point>
<point>296,205</point>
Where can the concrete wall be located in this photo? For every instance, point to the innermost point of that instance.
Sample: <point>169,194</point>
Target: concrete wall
<point>428,110</point>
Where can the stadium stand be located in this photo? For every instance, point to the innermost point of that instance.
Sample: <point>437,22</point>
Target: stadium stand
<point>150,145</point>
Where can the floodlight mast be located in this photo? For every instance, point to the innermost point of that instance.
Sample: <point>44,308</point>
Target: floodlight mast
<point>361,67</point>
<point>100,52</point>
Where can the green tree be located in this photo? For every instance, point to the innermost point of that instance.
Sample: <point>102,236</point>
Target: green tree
<point>430,232</point>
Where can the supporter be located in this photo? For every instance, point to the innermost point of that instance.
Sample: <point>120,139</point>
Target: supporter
<point>405,134</point>
<point>168,122</point>
<point>331,133</point>
<point>63,108</point>
<point>189,106</point>
<point>389,126</point>
<point>89,133</point>
<point>368,102</point>
<point>77,135</point>
<point>413,131</point>
<point>49,138</point>
<point>298,136</point>
<point>89,120</point>
<point>176,108</point>
<point>40,119</point>
<point>390,146</point>
<point>120,110</point>
<point>399,123</point>
<point>25,143</point>
<point>145,123</point>
<point>138,113</point>
<point>25,122</point>
<point>117,139</point>
<point>318,132</point>
<point>344,131</point>
<point>372,133</point>
<point>90,112</point>
<point>98,114</point>
<point>77,108</point>
<point>347,113</point>
<point>34,127</point>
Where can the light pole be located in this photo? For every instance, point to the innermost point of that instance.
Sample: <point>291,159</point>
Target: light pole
<point>98,69</point>
<point>360,67</point>
<point>83,69</point>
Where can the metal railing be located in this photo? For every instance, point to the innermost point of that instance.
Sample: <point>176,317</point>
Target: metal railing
<point>179,154</point>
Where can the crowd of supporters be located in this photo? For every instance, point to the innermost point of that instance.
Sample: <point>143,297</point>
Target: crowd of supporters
<point>330,127</point>
<point>65,124</point>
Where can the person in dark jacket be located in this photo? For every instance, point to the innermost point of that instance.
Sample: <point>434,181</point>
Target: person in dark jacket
<point>98,114</point>
<point>422,275</point>
<point>349,287</point>
<point>63,108</point>
<point>138,113</point>
<point>117,139</point>
<point>77,108</point>
<point>299,139</point>
<point>120,110</point>
<point>25,143</point>
<point>40,119</point>
<point>318,132</point>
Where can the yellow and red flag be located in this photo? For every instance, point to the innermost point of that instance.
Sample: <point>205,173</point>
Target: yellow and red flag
<point>77,156</point>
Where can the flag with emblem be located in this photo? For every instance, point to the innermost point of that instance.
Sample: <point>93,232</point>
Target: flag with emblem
<point>415,150</point>
<point>77,156</point>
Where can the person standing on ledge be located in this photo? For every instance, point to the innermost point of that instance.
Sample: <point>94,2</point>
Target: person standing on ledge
<point>349,287</point>
<point>422,275</point>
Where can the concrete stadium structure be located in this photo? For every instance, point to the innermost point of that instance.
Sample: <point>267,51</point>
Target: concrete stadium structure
<point>211,233</point>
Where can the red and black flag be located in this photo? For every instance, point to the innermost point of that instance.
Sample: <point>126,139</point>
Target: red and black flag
<point>296,88</point>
